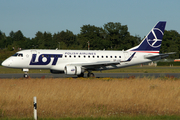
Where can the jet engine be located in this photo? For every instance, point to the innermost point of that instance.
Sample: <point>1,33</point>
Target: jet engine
<point>73,70</point>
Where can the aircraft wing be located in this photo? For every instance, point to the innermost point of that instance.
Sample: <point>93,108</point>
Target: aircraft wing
<point>103,63</point>
<point>97,64</point>
<point>159,55</point>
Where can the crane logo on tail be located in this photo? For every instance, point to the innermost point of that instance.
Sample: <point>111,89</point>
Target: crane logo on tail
<point>154,39</point>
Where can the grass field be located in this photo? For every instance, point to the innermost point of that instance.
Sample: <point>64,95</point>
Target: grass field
<point>104,98</point>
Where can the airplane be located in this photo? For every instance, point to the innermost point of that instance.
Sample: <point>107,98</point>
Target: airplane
<point>76,62</point>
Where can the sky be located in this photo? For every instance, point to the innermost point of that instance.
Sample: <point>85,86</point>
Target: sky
<point>31,16</point>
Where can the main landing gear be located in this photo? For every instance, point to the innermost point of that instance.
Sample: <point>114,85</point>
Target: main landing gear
<point>26,75</point>
<point>90,74</point>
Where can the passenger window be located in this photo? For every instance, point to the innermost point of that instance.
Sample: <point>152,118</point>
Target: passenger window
<point>102,56</point>
<point>88,56</point>
<point>70,56</point>
<point>119,56</point>
<point>84,56</point>
<point>97,56</point>
<point>79,56</point>
<point>115,56</point>
<point>65,55</point>
<point>93,56</point>
<point>110,56</point>
<point>106,56</point>
<point>74,56</point>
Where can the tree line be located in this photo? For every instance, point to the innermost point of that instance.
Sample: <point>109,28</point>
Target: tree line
<point>112,36</point>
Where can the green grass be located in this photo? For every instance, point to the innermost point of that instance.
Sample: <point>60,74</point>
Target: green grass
<point>133,69</point>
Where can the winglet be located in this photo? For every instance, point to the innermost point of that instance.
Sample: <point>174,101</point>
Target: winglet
<point>130,58</point>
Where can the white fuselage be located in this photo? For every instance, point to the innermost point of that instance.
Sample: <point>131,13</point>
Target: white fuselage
<point>58,59</point>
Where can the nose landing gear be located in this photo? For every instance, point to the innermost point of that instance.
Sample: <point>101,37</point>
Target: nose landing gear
<point>26,75</point>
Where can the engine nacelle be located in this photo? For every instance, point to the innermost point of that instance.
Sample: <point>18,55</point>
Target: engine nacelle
<point>73,70</point>
<point>56,72</point>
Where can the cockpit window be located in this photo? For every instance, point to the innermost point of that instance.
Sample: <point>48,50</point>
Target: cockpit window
<point>15,54</point>
<point>18,55</point>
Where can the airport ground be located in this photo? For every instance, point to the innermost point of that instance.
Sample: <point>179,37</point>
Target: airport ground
<point>133,69</point>
<point>97,75</point>
<point>136,71</point>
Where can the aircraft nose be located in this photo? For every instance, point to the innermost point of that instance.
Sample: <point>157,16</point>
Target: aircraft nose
<point>6,63</point>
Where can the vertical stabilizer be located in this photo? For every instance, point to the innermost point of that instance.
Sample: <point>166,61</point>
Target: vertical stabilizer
<point>152,42</point>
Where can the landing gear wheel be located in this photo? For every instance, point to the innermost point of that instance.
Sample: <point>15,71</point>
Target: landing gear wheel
<point>26,72</point>
<point>91,75</point>
<point>26,75</point>
<point>81,75</point>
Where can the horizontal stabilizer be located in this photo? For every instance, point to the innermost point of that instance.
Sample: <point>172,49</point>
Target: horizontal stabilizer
<point>159,55</point>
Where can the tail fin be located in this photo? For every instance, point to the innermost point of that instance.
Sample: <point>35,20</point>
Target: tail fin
<point>152,42</point>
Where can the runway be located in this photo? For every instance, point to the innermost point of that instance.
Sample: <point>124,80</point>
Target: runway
<point>97,75</point>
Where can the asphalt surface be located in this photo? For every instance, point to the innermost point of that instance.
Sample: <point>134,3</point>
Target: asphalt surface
<point>97,75</point>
